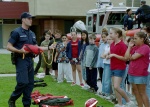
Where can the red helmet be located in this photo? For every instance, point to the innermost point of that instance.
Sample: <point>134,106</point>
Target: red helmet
<point>91,102</point>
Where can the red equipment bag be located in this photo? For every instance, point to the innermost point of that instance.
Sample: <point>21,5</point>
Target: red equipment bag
<point>32,49</point>
<point>49,106</point>
<point>60,102</point>
<point>48,100</point>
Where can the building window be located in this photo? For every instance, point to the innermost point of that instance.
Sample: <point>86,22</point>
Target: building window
<point>115,19</point>
<point>1,21</point>
<point>101,18</point>
<point>18,21</point>
<point>9,21</point>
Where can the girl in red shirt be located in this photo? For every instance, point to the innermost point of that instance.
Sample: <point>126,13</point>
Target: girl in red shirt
<point>118,65</point>
<point>138,67</point>
<point>73,51</point>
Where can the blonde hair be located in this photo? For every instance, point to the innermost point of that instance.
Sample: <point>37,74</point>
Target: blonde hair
<point>119,32</point>
<point>92,36</point>
<point>104,30</point>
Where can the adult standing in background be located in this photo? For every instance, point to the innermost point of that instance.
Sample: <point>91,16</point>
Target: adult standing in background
<point>128,21</point>
<point>143,14</point>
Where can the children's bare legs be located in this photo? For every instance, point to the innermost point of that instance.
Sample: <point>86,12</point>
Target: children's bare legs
<point>119,92</point>
<point>73,72</point>
<point>78,68</point>
<point>50,71</point>
<point>129,87</point>
<point>79,73</point>
<point>140,94</point>
<point>56,73</point>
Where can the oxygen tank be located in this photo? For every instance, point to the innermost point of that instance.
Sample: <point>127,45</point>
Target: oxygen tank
<point>132,32</point>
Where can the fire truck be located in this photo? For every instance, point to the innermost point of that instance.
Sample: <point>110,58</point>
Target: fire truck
<point>105,15</point>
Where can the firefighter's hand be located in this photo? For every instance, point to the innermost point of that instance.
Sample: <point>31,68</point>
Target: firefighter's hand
<point>23,51</point>
<point>53,46</point>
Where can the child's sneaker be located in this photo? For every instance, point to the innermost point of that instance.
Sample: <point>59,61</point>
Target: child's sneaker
<point>107,97</point>
<point>117,105</point>
<point>86,87</point>
<point>59,81</point>
<point>114,101</point>
<point>92,90</point>
<point>73,83</point>
<point>130,104</point>
<point>102,94</point>
<point>69,81</point>
<point>112,97</point>
<point>82,85</point>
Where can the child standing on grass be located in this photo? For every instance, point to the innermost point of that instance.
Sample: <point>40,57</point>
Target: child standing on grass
<point>118,65</point>
<point>84,43</point>
<point>73,51</point>
<point>138,67</point>
<point>45,43</point>
<point>106,83</point>
<point>100,63</point>
<point>62,60</point>
<point>90,59</point>
<point>51,53</point>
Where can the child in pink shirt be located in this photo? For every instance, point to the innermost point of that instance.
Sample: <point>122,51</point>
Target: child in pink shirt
<point>138,67</point>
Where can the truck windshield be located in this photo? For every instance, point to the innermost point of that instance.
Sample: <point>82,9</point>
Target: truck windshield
<point>115,19</point>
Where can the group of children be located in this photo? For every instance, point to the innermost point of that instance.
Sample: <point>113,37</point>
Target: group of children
<point>114,58</point>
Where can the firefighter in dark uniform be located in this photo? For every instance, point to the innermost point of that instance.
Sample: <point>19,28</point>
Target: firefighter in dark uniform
<point>24,66</point>
<point>128,21</point>
<point>23,60</point>
<point>143,14</point>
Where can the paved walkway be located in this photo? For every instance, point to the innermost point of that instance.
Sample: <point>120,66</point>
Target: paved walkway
<point>4,51</point>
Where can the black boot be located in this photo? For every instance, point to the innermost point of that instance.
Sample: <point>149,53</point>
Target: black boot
<point>11,103</point>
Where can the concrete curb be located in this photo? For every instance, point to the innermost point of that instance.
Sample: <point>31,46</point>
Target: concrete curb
<point>7,75</point>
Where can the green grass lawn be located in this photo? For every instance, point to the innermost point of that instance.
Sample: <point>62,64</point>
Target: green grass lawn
<point>6,65</point>
<point>79,96</point>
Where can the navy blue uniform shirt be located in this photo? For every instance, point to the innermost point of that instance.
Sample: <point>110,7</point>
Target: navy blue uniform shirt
<point>128,22</point>
<point>20,36</point>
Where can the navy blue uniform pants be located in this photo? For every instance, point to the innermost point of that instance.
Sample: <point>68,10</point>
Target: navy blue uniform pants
<point>25,80</point>
<point>92,77</point>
